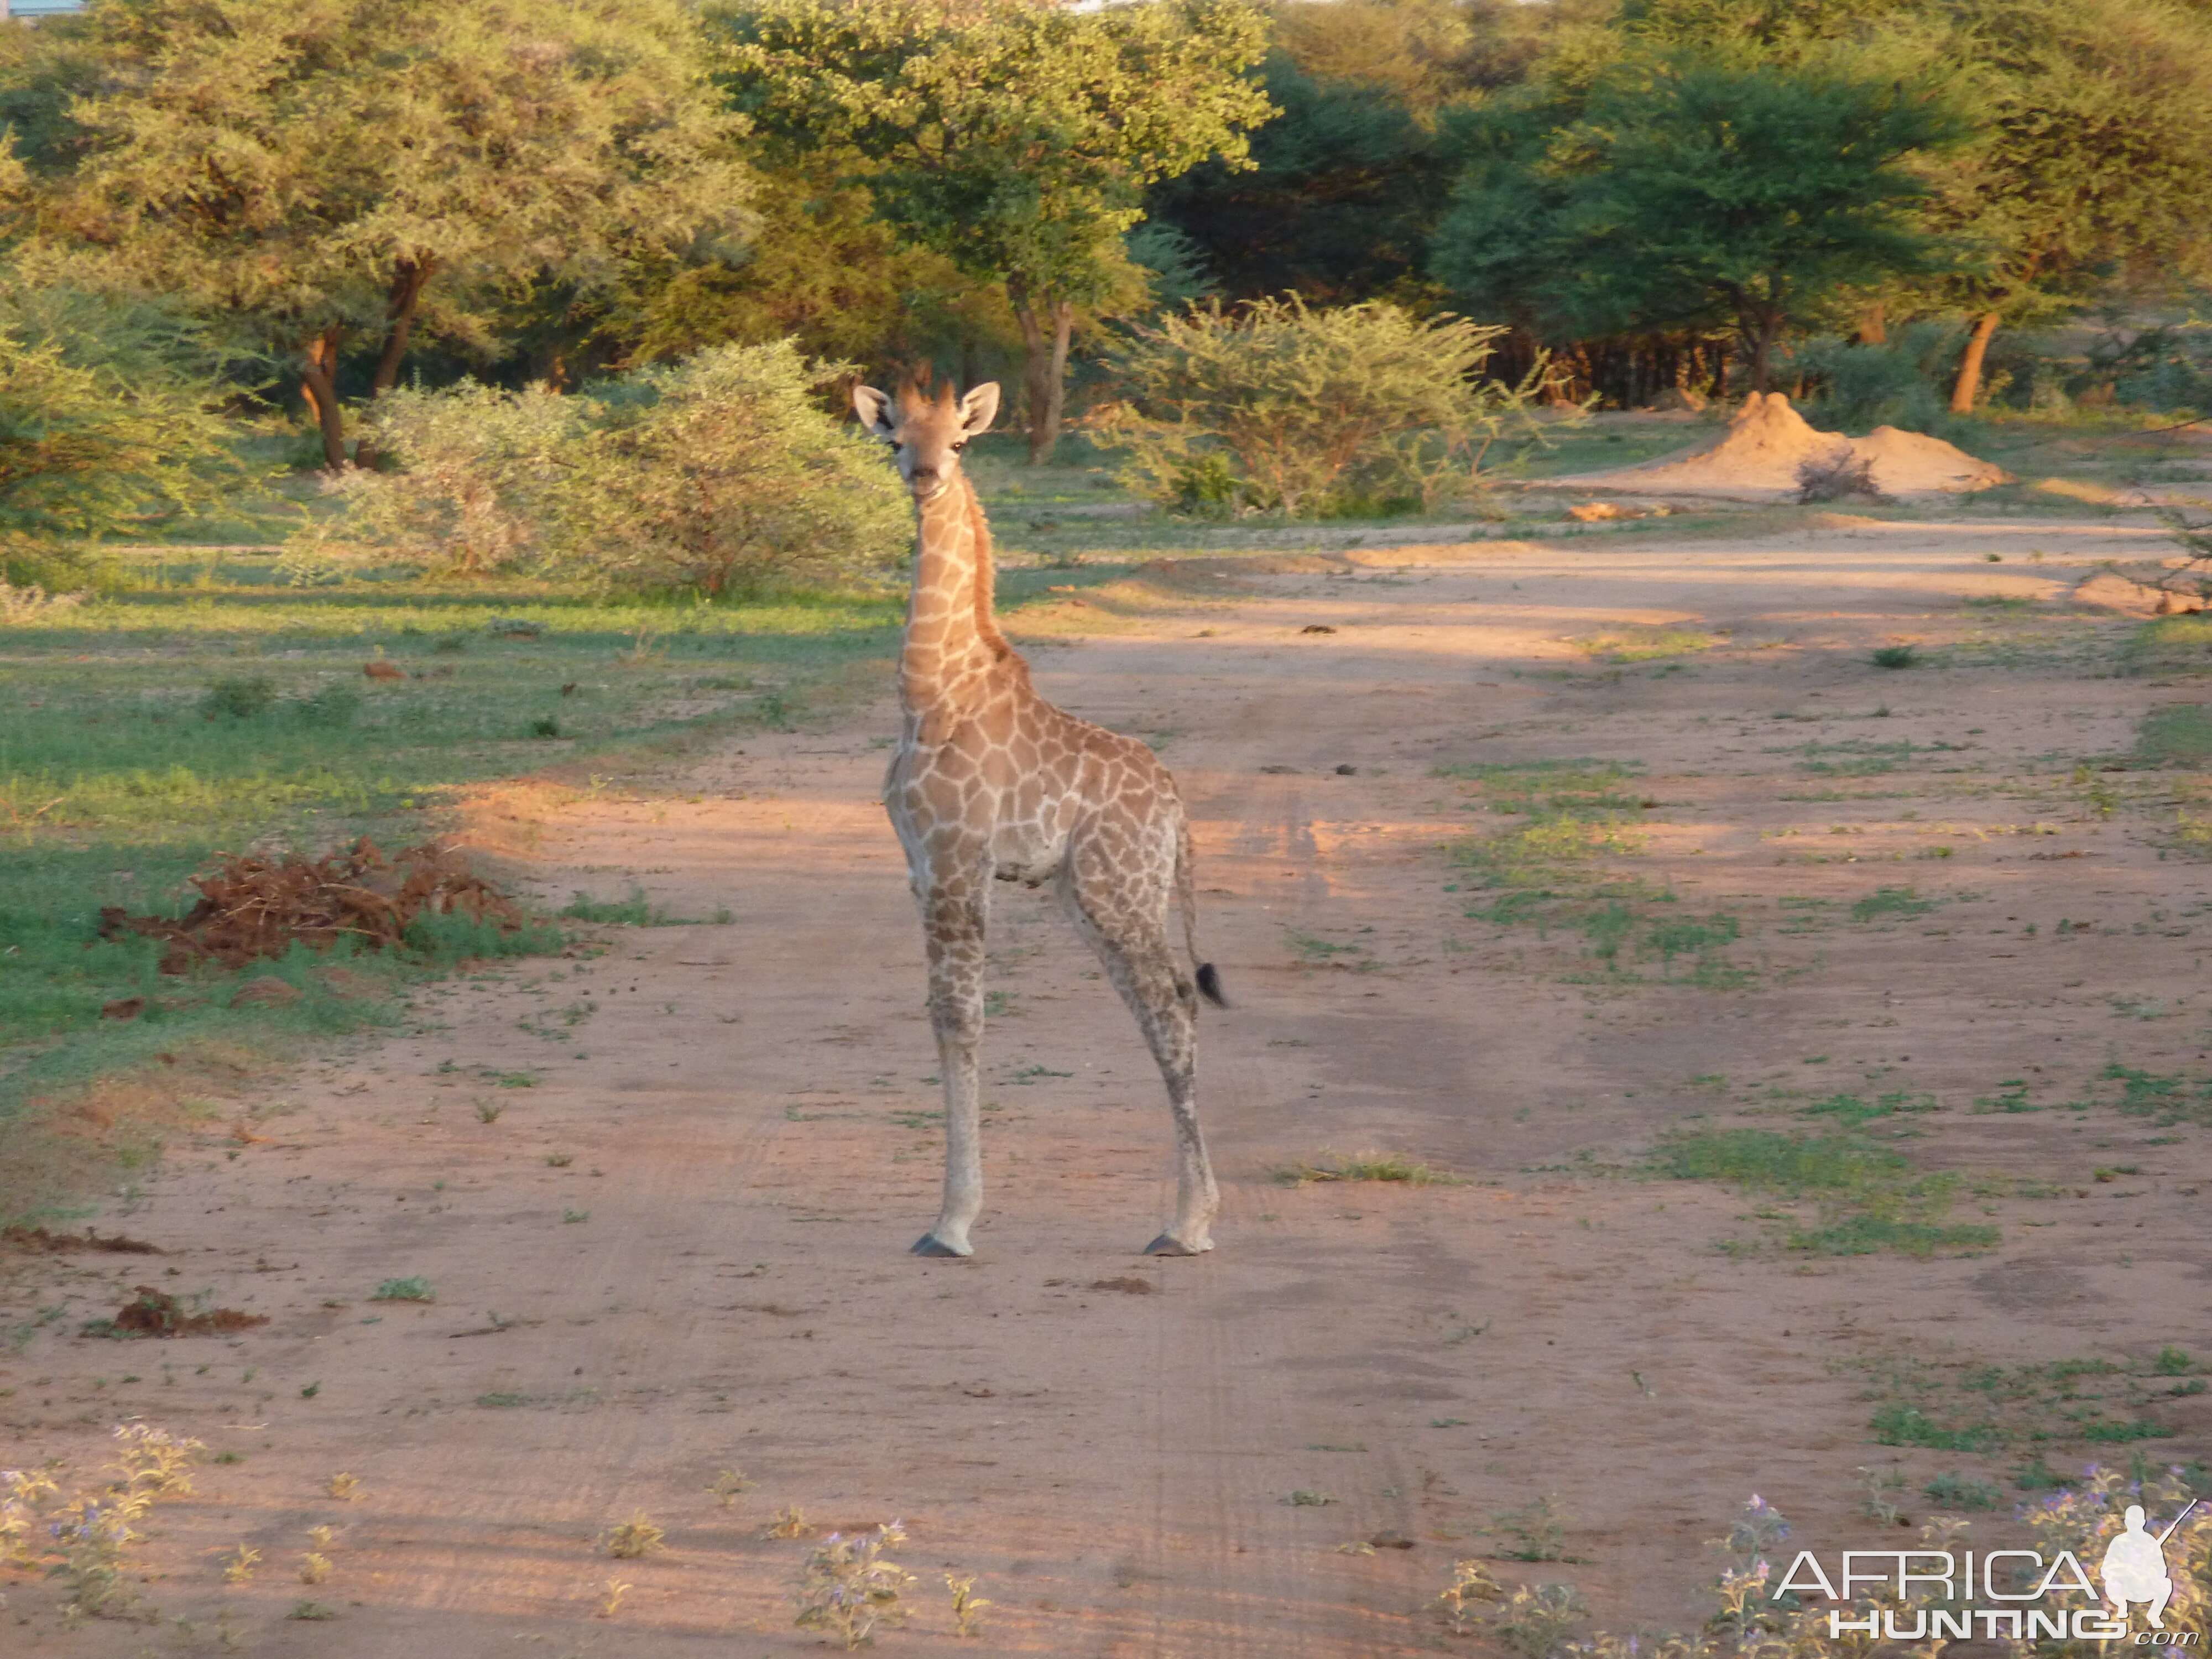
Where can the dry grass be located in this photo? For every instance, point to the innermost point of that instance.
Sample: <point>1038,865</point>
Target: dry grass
<point>74,1141</point>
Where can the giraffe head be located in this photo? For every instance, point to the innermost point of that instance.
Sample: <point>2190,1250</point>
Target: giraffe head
<point>927,434</point>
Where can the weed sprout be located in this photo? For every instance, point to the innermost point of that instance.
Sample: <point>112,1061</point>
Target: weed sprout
<point>967,1606</point>
<point>789,1523</point>
<point>728,1485</point>
<point>848,1587</point>
<point>634,1538</point>
<point>1470,1587</point>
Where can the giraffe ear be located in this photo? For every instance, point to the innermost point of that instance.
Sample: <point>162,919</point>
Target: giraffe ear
<point>979,408</point>
<point>874,408</point>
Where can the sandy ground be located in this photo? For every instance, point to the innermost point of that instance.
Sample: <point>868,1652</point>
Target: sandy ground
<point>682,1250</point>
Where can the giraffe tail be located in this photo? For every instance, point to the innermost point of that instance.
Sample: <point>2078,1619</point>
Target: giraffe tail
<point>1209,977</point>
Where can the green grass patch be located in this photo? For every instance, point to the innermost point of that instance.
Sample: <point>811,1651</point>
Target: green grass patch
<point>1867,1197</point>
<point>1968,1406</point>
<point>1366,1166</point>
<point>2180,734</point>
<point>2171,645</point>
<point>1768,1160</point>
<point>201,705</point>
<point>1867,1234</point>
<point>2166,1098</point>
<point>634,911</point>
<point>1891,902</point>
<point>1901,1424</point>
<point>1955,1491</point>
<point>1635,642</point>
<point>1554,869</point>
<point>1855,757</point>
<point>1848,1111</point>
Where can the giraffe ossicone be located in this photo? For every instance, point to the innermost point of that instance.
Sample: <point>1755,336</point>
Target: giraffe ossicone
<point>990,783</point>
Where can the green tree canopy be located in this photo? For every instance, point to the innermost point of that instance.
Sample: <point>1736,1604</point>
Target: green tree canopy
<point>1693,189</point>
<point>2089,153</point>
<point>108,421</point>
<point>308,167</point>
<point>2092,155</point>
<point>1013,137</point>
<point>1336,205</point>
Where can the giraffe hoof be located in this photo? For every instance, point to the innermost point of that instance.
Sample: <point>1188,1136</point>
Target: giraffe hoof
<point>1169,1244</point>
<point>930,1244</point>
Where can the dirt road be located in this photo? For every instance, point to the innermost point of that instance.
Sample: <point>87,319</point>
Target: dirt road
<point>679,1249</point>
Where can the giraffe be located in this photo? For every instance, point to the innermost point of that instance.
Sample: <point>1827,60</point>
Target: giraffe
<point>990,780</point>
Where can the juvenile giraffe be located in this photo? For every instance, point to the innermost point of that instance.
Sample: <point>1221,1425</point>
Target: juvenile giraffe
<point>989,780</point>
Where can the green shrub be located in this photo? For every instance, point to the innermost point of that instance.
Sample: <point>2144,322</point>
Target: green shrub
<point>2167,369</point>
<point>333,707</point>
<point>239,699</point>
<point>1276,406</point>
<point>718,475</point>
<point>476,483</point>
<point>1902,383</point>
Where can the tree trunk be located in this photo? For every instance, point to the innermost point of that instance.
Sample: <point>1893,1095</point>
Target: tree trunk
<point>1873,324</point>
<point>318,385</point>
<point>1063,329</point>
<point>1044,366</point>
<point>409,278</point>
<point>1968,385</point>
<point>1762,353</point>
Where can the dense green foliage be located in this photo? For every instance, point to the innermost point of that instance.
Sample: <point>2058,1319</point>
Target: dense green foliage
<point>1013,138</point>
<point>1707,194</point>
<point>302,167</point>
<point>1698,189</point>
<point>106,423</point>
<point>718,475</point>
<point>1278,406</point>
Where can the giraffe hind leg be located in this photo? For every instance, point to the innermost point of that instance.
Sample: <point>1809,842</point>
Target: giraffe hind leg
<point>1132,946</point>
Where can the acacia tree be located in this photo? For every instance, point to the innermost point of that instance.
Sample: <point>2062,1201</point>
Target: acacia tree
<point>108,421</point>
<point>306,167</point>
<point>1013,136</point>
<point>1693,189</point>
<point>2094,121</point>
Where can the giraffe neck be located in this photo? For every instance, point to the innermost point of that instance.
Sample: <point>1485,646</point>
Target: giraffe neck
<point>951,637</point>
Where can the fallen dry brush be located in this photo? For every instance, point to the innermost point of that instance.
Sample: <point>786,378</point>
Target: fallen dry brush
<point>255,908</point>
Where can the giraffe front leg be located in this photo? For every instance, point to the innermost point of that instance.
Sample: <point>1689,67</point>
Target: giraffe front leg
<point>954,925</point>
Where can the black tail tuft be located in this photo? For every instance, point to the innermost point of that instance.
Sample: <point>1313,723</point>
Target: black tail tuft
<point>1209,983</point>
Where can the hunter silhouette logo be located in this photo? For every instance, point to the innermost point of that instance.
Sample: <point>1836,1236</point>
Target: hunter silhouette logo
<point>2135,1567</point>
